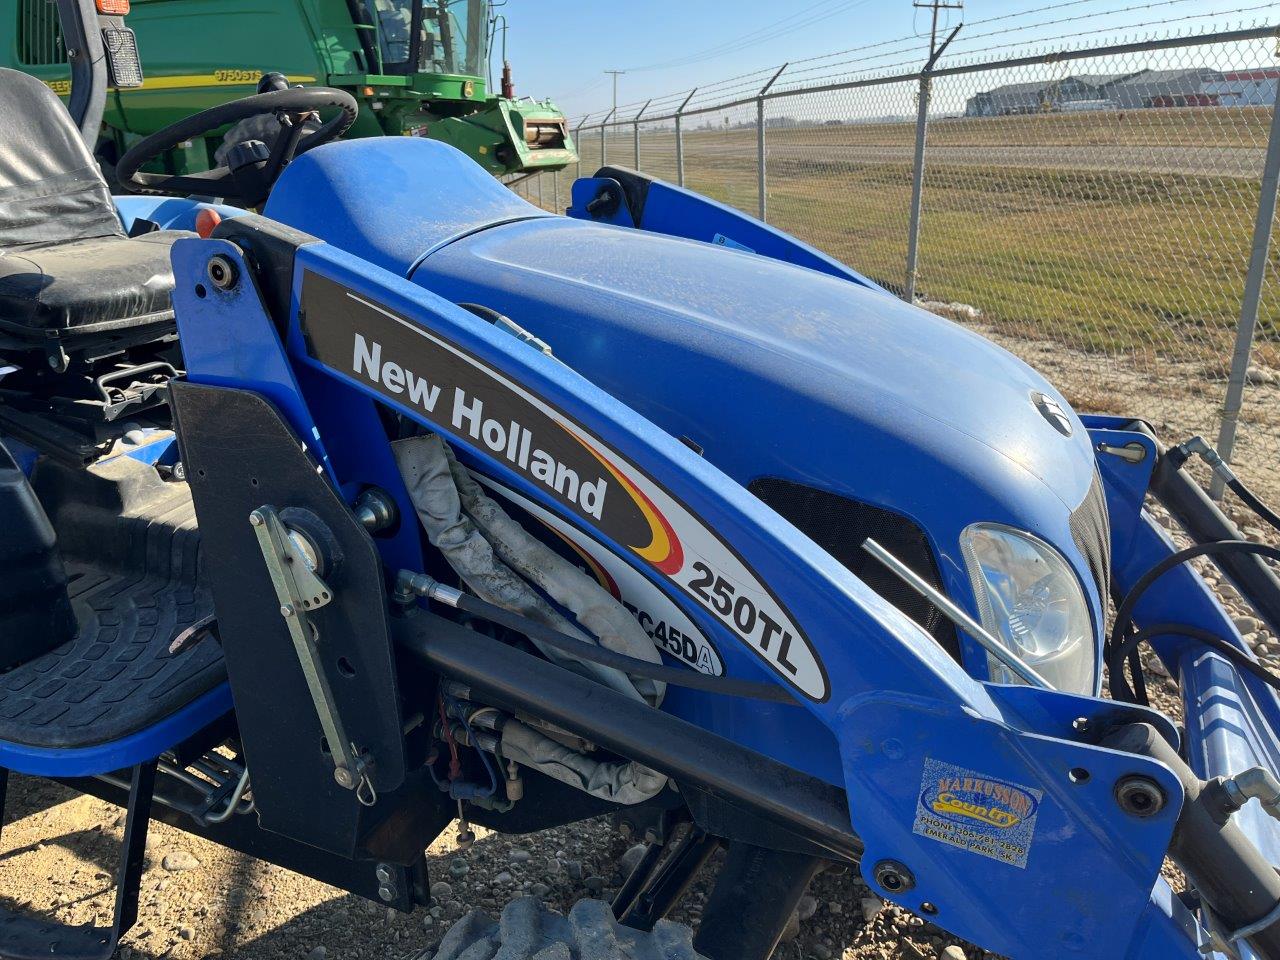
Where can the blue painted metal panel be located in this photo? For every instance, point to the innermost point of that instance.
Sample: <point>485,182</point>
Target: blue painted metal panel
<point>390,200</point>
<point>857,393</point>
<point>171,213</point>
<point>229,341</point>
<point>118,754</point>
<point>678,212</point>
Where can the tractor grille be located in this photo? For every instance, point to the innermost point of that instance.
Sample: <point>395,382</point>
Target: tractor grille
<point>39,34</point>
<point>840,525</point>
<point>1091,530</point>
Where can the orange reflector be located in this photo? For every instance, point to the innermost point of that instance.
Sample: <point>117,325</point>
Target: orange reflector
<point>206,220</point>
<point>114,8</point>
<point>368,91</point>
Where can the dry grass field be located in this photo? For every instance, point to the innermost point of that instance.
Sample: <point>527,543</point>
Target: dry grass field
<point>1111,246</point>
<point>1117,231</point>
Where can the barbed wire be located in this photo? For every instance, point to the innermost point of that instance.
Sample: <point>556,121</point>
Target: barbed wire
<point>796,81</point>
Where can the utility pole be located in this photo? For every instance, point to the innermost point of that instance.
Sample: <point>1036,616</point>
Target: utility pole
<point>616,74</point>
<point>935,6</point>
<point>604,130</point>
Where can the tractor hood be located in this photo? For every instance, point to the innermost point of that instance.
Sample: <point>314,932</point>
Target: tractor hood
<point>776,371</point>
<point>711,342</point>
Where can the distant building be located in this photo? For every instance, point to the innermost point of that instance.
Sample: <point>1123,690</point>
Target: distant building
<point>1146,88</point>
<point>1037,97</point>
<point>1165,88</point>
<point>1245,88</point>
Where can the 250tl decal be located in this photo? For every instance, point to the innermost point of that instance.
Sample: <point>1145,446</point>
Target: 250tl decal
<point>719,593</point>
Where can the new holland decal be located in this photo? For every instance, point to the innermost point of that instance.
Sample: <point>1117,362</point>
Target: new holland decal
<point>440,383</point>
<point>985,815</point>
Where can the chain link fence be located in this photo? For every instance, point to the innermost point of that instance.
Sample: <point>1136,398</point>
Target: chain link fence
<point>1104,213</point>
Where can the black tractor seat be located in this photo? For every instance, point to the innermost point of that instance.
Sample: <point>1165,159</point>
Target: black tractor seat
<point>67,270</point>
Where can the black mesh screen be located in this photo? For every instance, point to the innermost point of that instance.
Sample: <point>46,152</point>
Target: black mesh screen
<point>839,525</point>
<point>1091,530</point>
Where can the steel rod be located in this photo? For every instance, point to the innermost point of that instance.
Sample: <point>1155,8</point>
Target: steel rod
<point>956,614</point>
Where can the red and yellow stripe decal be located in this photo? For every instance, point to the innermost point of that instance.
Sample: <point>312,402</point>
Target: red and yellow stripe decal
<point>663,550</point>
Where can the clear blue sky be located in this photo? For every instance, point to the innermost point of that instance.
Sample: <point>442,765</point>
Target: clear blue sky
<point>559,48</point>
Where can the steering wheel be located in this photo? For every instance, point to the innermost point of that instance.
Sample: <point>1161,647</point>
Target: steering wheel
<point>291,106</point>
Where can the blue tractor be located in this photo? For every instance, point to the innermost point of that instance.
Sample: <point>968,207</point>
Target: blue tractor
<point>402,502</point>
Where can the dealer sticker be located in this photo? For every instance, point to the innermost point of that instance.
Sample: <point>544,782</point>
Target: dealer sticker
<point>984,815</point>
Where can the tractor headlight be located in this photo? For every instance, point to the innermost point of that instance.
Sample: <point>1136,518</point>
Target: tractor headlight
<point>1030,598</point>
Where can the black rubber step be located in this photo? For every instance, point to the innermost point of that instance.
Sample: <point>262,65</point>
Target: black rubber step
<point>117,676</point>
<point>132,553</point>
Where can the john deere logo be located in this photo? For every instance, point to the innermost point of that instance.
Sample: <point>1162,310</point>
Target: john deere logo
<point>468,89</point>
<point>972,799</point>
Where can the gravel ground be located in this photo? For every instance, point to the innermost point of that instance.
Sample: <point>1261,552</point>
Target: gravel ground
<point>201,901</point>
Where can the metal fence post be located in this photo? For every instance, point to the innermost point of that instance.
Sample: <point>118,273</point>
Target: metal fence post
<point>635,129</point>
<point>577,146</point>
<point>680,138</point>
<point>761,186</point>
<point>539,179</point>
<point>917,173</point>
<point>917,188</point>
<point>604,152</point>
<point>555,188</point>
<point>1252,296</point>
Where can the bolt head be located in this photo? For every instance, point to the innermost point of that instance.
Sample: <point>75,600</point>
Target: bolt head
<point>344,777</point>
<point>387,893</point>
<point>383,873</point>
<point>1139,796</point>
<point>222,272</point>
<point>256,519</point>
<point>893,877</point>
<point>286,610</point>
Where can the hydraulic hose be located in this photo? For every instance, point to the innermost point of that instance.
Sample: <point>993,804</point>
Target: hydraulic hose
<point>1233,653</point>
<point>580,649</point>
<point>1253,502</point>
<point>1124,614</point>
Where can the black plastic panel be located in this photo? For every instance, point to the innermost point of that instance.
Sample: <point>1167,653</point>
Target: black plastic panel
<point>240,455</point>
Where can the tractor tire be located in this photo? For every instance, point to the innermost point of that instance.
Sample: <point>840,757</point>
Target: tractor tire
<point>530,931</point>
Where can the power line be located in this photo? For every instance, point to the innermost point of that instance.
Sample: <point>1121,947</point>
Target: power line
<point>966,46</point>
<point>806,17</point>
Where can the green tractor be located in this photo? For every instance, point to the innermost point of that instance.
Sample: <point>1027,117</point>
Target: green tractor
<point>417,67</point>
